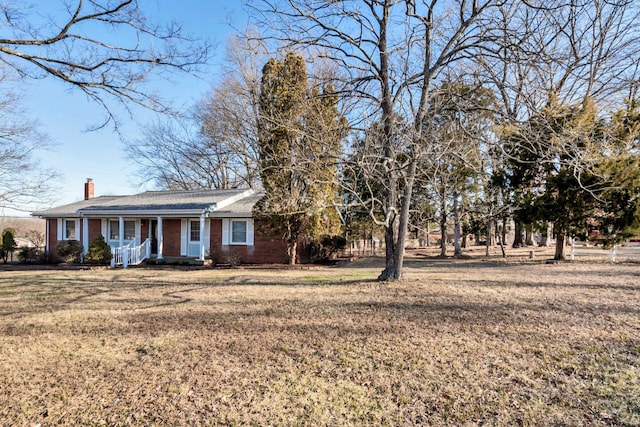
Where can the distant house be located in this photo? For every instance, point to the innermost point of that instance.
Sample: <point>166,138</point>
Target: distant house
<point>166,224</point>
<point>23,242</point>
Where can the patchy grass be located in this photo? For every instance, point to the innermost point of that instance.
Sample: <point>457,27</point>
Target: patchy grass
<point>455,343</point>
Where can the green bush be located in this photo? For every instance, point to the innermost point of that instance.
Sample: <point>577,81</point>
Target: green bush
<point>69,250</point>
<point>327,247</point>
<point>99,252</point>
<point>228,256</point>
<point>7,243</point>
<point>32,256</point>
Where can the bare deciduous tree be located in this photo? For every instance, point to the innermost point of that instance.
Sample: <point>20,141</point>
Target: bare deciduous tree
<point>23,182</point>
<point>391,54</point>
<point>216,145</point>
<point>106,49</point>
<point>568,53</point>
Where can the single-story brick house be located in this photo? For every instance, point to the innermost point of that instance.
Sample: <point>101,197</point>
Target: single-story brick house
<point>167,224</point>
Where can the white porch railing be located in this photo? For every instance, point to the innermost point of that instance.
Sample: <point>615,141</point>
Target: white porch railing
<point>129,254</point>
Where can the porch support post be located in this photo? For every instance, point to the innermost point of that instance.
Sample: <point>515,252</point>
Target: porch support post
<point>125,255</point>
<point>85,237</point>
<point>46,233</point>
<point>202,217</point>
<point>121,230</point>
<point>160,238</point>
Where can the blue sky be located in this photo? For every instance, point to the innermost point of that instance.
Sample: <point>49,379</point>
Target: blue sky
<point>66,115</point>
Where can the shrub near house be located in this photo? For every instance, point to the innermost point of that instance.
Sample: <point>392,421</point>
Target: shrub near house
<point>69,250</point>
<point>99,252</point>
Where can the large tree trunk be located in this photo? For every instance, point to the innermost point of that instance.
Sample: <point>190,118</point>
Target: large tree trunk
<point>392,269</point>
<point>291,239</point>
<point>489,234</point>
<point>403,226</point>
<point>456,225</point>
<point>502,238</point>
<point>292,252</point>
<point>560,235</point>
<point>544,240</point>
<point>503,235</point>
<point>443,226</point>
<point>518,237</point>
<point>428,236</point>
<point>529,235</point>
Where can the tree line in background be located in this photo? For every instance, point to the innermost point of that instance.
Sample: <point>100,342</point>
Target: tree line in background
<point>388,114</point>
<point>468,114</point>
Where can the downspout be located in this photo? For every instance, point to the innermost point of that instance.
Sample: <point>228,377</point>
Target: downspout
<point>46,233</point>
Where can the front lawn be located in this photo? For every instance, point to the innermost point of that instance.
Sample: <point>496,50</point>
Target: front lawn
<point>455,343</point>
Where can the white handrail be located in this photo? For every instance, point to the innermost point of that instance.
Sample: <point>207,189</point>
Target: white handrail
<point>129,254</point>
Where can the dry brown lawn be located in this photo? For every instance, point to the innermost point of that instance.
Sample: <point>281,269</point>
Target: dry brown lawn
<point>470,342</point>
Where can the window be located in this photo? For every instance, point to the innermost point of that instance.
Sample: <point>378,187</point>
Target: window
<point>70,229</point>
<point>194,231</point>
<point>114,230</point>
<point>129,230</point>
<point>238,231</point>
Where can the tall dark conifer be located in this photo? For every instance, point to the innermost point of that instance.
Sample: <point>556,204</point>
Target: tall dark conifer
<point>300,134</point>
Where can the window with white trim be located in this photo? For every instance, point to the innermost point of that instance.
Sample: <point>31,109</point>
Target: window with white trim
<point>114,230</point>
<point>70,232</point>
<point>238,232</point>
<point>194,231</point>
<point>129,230</point>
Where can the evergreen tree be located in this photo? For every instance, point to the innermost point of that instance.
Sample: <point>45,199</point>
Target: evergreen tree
<point>7,243</point>
<point>460,118</point>
<point>300,134</point>
<point>99,252</point>
<point>620,170</point>
<point>552,176</point>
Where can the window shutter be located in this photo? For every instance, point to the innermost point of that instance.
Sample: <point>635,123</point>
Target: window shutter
<point>78,232</point>
<point>183,237</point>
<point>207,236</point>
<point>225,231</point>
<point>250,232</point>
<point>138,232</point>
<point>60,235</point>
<point>103,229</point>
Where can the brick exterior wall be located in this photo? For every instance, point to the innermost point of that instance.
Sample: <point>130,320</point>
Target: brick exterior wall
<point>53,234</point>
<point>95,229</point>
<point>171,239</point>
<point>265,250</point>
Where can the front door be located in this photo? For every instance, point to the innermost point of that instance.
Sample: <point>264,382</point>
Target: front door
<point>154,236</point>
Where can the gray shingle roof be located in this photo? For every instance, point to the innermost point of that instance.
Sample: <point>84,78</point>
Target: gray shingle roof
<point>71,210</point>
<point>166,203</point>
<point>240,208</point>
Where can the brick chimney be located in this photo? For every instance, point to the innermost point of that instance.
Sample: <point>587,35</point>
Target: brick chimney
<point>89,190</point>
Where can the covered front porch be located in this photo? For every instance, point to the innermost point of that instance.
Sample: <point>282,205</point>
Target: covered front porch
<point>134,240</point>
